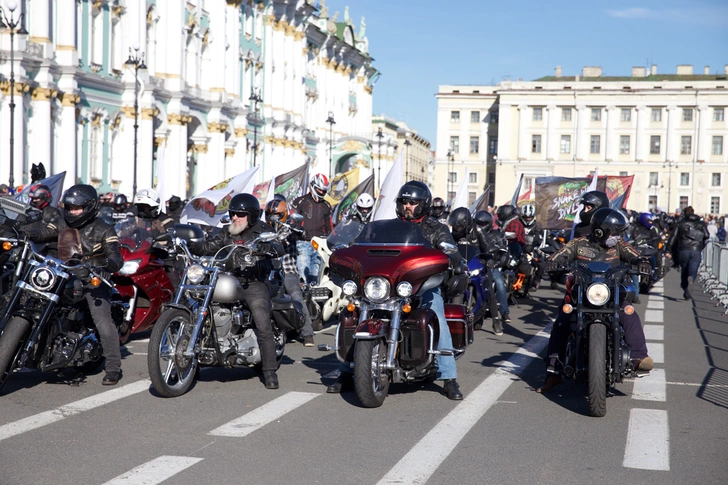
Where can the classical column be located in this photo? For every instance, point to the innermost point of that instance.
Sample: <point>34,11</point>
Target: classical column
<point>214,168</point>
<point>175,170</point>
<point>672,136</point>
<point>582,141</point>
<point>40,133</point>
<point>66,53</point>
<point>551,150</point>
<point>40,25</point>
<point>641,140</point>
<point>523,141</point>
<point>611,137</point>
<point>145,151</point>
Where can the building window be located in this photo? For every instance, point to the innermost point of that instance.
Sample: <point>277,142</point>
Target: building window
<point>594,145</point>
<point>493,145</point>
<point>565,143</point>
<point>596,114</point>
<point>717,148</point>
<point>684,179</point>
<point>656,114</point>
<point>565,114</point>
<point>624,144</point>
<point>474,144</point>
<point>473,178</point>
<point>686,143</point>
<point>471,198</point>
<point>537,114</point>
<point>452,177</point>
<point>494,116</point>
<point>455,144</point>
<point>626,114</point>
<point>652,203</point>
<point>687,114</point>
<point>718,114</point>
<point>654,179</point>
<point>623,174</point>
<point>491,178</point>
<point>655,145</point>
<point>535,143</point>
<point>715,180</point>
<point>683,202</point>
<point>475,116</point>
<point>715,205</point>
<point>454,116</point>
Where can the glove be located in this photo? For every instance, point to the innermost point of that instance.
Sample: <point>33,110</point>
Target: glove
<point>459,268</point>
<point>264,248</point>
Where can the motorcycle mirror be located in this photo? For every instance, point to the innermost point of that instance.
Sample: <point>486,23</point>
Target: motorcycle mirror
<point>225,219</point>
<point>267,236</point>
<point>446,246</point>
<point>296,217</point>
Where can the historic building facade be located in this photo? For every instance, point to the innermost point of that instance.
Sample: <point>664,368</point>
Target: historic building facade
<point>226,84</point>
<point>668,130</point>
<point>398,138</point>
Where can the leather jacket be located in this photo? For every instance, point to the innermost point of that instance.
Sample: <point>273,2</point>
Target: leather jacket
<point>45,229</point>
<point>100,245</point>
<point>588,249</point>
<point>641,235</point>
<point>691,234</point>
<point>160,223</point>
<point>316,216</point>
<point>438,233</point>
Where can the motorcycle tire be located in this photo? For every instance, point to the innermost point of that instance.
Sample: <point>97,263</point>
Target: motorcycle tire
<point>163,359</point>
<point>597,374</point>
<point>371,380</point>
<point>477,317</point>
<point>11,345</point>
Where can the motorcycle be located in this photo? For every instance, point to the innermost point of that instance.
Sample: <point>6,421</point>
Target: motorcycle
<point>45,325</point>
<point>207,324</point>
<point>142,284</point>
<point>13,214</point>
<point>596,352</point>
<point>383,330</point>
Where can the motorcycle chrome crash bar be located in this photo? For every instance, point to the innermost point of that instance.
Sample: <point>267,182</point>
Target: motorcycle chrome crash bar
<point>202,313</point>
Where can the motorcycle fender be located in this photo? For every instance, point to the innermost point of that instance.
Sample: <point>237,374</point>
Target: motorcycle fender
<point>371,329</point>
<point>178,307</point>
<point>344,339</point>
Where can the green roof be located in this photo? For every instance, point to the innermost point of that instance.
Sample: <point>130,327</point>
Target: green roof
<point>650,78</point>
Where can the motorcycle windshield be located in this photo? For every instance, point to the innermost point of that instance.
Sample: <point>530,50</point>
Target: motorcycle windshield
<point>344,233</point>
<point>133,232</point>
<point>392,232</point>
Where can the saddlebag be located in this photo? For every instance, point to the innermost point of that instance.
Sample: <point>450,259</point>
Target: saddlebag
<point>460,323</point>
<point>417,329</point>
<point>287,313</point>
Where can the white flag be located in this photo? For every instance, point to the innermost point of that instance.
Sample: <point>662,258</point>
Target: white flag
<point>211,205</point>
<point>387,207</point>
<point>592,186</point>
<point>461,196</point>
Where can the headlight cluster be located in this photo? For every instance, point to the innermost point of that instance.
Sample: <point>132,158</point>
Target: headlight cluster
<point>349,288</point>
<point>42,279</point>
<point>195,274</point>
<point>404,289</point>
<point>597,294</point>
<point>376,289</point>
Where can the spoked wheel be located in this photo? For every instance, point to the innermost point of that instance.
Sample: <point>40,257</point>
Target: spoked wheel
<point>597,370</point>
<point>11,345</point>
<point>371,380</point>
<point>172,373</point>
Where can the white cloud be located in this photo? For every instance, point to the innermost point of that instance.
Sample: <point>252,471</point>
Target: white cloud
<point>630,13</point>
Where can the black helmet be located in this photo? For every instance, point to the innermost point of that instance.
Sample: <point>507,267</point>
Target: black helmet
<point>484,219</point>
<point>80,195</point>
<point>505,213</point>
<point>596,199</point>
<point>120,203</point>
<point>438,207</point>
<point>40,196</point>
<point>606,222</point>
<point>246,203</point>
<point>416,191</point>
<point>460,221</point>
<point>174,202</point>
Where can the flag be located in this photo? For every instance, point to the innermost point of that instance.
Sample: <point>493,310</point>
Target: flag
<point>292,184</point>
<point>159,184</point>
<point>387,199</point>
<point>461,196</point>
<point>592,186</point>
<point>210,206</point>
<point>54,183</point>
<point>618,190</point>
<point>514,199</point>
<point>261,192</point>
<point>526,198</point>
<point>345,207</point>
<point>481,203</point>
<point>341,185</point>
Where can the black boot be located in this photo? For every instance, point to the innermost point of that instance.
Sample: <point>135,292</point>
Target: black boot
<point>453,390</point>
<point>345,382</point>
<point>111,378</point>
<point>271,379</point>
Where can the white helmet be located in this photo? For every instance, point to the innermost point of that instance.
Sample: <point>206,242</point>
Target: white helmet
<point>149,198</point>
<point>364,206</point>
<point>319,186</point>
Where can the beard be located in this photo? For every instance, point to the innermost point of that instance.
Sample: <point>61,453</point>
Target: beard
<point>237,227</point>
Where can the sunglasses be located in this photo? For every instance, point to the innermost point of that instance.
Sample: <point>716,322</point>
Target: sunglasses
<point>239,214</point>
<point>409,201</point>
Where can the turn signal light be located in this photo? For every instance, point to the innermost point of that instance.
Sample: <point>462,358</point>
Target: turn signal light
<point>406,308</point>
<point>7,245</point>
<point>660,245</point>
<point>314,244</point>
<point>95,281</point>
<point>350,307</point>
<point>567,308</point>
<point>628,310</point>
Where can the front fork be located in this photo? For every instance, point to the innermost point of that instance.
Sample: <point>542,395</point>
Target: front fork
<point>393,339</point>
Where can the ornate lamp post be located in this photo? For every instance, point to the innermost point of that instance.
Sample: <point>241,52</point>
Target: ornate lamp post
<point>331,122</point>
<point>136,62</point>
<point>255,99</point>
<point>450,162</point>
<point>380,135</point>
<point>12,24</point>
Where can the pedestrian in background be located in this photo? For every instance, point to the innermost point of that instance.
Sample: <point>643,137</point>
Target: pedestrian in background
<point>690,238</point>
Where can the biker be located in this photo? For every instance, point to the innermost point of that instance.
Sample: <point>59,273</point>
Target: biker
<point>438,210</point>
<point>174,208</point>
<point>363,209</point>
<point>147,203</point>
<point>590,201</point>
<point>276,214</point>
<point>46,228</point>
<point>645,233</point>
<point>121,207</point>
<point>316,212</point>
<point>690,239</point>
<point>603,244</point>
<point>245,225</point>
<point>413,205</point>
<point>508,220</point>
<point>533,241</point>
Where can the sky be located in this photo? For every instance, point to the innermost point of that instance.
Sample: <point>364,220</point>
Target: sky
<point>418,45</point>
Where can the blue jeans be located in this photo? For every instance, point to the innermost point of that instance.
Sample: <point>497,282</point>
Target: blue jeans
<point>500,290</point>
<point>689,262</point>
<point>308,262</point>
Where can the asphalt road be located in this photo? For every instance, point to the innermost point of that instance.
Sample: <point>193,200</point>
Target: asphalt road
<point>667,428</point>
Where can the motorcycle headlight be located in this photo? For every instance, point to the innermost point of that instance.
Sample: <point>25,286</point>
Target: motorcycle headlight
<point>130,267</point>
<point>195,274</point>
<point>404,289</point>
<point>348,288</point>
<point>597,294</point>
<point>376,289</point>
<point>42,279</point>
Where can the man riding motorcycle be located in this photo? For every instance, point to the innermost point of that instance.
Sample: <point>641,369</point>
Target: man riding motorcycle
<point>147,203</point>
<point>46,228</point>
<point>509,222</point>
<point>603,244</point>
<point>590,201</point>
<point>174,208</point>
<point>245,225</point>
<point>121,208</point>
<point>438,210</point>
<point>316,212</point>
<point>363,209</point>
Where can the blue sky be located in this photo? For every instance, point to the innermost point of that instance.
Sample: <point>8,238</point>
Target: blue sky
<point>420,44</point>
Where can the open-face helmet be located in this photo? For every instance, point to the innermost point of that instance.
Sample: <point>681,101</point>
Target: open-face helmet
<point>245,204</point>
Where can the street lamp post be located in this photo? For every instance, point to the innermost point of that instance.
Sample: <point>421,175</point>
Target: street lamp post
<point>12,24</point>
<point>450,162</point>
<point>669,164</point>
<point>255,98</point>
<point>136,62</point>
<point>407,144</point>
<point>331,122</point>
<point>380,135</point>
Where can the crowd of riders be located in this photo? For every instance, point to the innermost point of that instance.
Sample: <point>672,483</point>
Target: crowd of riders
<point>506,239</point>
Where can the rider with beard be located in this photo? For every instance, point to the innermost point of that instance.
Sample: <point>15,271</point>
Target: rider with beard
<point>603,244</point>
<point>245,226</point>
<point>590,201</point>
<point>276,214</point>
<point>362,209</point>
<point>316,212</point>
<point>438,210</point>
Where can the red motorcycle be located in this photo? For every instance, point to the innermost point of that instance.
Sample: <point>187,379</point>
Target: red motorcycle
<point>383,330</point>
<point>142,284</point>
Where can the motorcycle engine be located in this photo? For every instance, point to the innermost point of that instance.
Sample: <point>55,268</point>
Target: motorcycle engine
<point>248,349</point>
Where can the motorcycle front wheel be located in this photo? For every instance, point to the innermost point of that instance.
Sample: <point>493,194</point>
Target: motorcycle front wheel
<point>172,373</point>
<point>11,345</point>
<point>597,370</point>
<point>371,380</point>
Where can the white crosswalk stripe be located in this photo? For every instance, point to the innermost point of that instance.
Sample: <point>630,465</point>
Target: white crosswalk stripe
<point>654,332</point>
<point>155,471</point>
<point>648,438</point>
<point>656,351</point>
<point>652,387</point>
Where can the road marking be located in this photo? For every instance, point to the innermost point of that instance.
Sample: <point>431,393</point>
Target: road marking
<point>655,304</point>
<point>656,351</point>
<point>49,417</point>
<point>648,440</point>
<point>658,284</point>
<point>418,465</point>
<point>698,384</point>
<point>654,316</point>
<point>155,471</point>
<point>651,387</point>
<point>654,332</point>
<point>263,415</point>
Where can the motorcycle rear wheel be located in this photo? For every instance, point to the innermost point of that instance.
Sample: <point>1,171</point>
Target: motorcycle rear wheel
<point>597,370</point>
<point>172,373</point>
<point>371,380</point>
<point>10,345</point>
